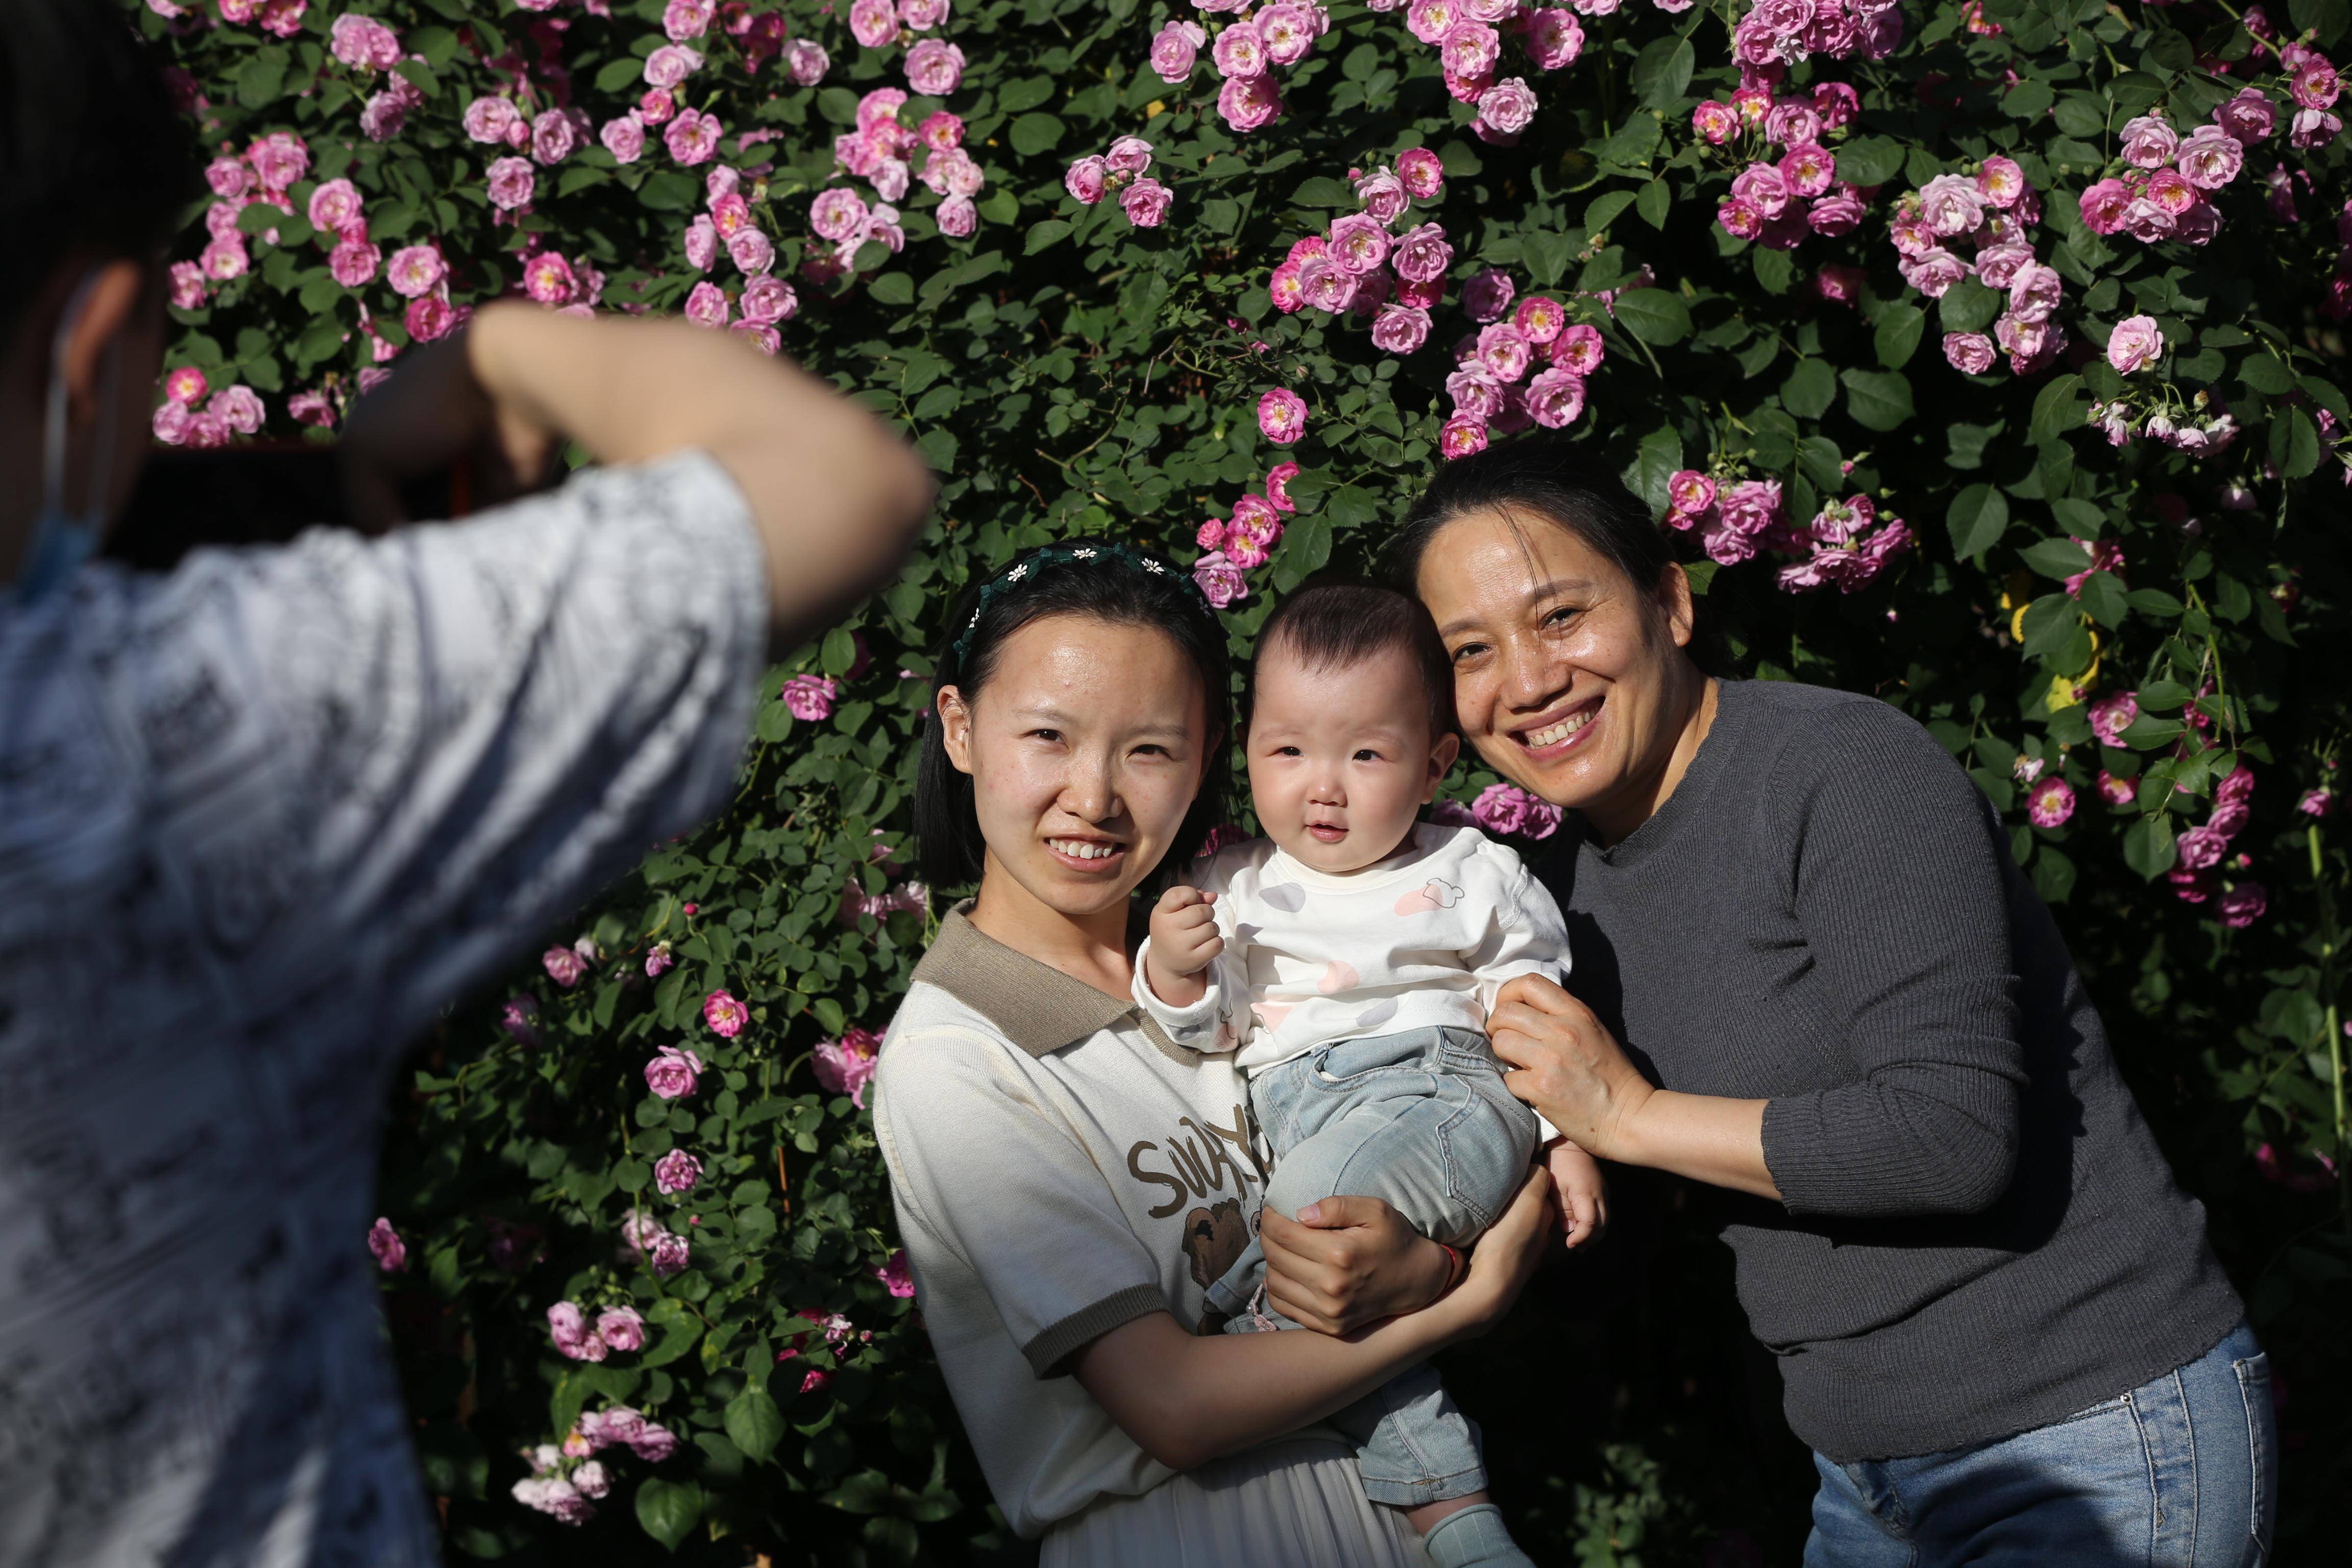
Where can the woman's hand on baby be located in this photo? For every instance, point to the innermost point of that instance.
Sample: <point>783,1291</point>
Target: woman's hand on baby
<point>1349,1261</point>
<point>1567,1065</point>
<point>1184,942</point>
<point>1582,1190</point>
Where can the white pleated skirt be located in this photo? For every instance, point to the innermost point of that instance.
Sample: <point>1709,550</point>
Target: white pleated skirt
<point>1297,1504</point>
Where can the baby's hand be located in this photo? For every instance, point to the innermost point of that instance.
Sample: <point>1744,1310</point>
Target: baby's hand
<point>1583,1192</point>
<point>1184,942</point>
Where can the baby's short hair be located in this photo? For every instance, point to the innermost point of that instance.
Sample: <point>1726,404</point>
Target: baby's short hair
<point>1330,625</point>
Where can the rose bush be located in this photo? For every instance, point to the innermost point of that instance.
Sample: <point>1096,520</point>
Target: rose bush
<point>1987,357</point>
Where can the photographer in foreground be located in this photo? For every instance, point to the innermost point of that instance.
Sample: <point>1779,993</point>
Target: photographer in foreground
<point>260,817</point>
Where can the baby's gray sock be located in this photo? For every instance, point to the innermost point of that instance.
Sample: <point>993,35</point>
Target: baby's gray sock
<point>1474,1538</point>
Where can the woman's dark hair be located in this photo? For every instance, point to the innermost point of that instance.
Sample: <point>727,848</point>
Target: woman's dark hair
<point>1550,477</point>
<point>1112,587</point>
<point>1330,626</point>
<point>91,153</point>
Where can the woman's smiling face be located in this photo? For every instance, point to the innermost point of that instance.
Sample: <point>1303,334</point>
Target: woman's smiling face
<point>1086,747</point>
<point>1569,679</point>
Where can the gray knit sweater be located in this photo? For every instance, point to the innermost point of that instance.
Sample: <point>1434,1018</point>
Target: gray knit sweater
<point>1977,1235</point>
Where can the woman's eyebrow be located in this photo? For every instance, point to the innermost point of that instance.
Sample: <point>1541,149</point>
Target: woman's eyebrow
<point>1534,597</point>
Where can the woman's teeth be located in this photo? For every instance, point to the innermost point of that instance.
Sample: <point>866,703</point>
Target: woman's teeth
<point>1082,850</point>
<point>1553,734</point>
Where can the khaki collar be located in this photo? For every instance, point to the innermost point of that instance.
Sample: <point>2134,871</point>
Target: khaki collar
<point>1037,1007</point>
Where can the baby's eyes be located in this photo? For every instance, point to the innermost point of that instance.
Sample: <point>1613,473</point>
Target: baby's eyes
<point>1366,754</point>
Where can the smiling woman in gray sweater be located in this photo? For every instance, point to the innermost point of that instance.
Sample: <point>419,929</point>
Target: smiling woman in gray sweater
<point>1807,971</point>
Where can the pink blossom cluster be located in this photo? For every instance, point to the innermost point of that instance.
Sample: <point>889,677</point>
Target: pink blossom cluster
<point>615,1329</point>
<point>898,1275</point>
<point>1247,538</point>
<point>1846,543</point>
<point>1360,264</point>
<point>676,1172</point>
<point>564,1478</point>
<point>2204,855</point>
<point>566,966</point>
<point>857,903</point>
<point>845,1065</point>
<point>1468,38</point>
<point>1527,368</point>
<point>384,1245</point>
<point>1788,188</point>
<point>264,172</point>
<point>1126,170</point>
<point>233,410</point>
<point>1247,51</point>
<point>279,18</point>
<point>1507,809</point>
<point>880,151</point>
<point>878,24</point>
<point>673,1072</point>
<point>1776,34</point>
<point>643,1239</point>
<point>726,224</point>
<point>810,698</point>
<point>838,1331</point>
<point>368,47</point>
<point>1987,216</point>
<point>2193,429</point>
<point>2162,192</point>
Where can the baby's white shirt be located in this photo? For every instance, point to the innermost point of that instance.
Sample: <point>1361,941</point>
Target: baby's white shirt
<point>1424,939</point>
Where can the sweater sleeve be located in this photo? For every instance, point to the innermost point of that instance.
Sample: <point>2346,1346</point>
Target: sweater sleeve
<point>1212,1023</point>
<point>1897,882</point>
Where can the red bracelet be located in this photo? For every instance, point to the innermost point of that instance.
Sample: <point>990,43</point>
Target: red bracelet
<point>1454,1268</point>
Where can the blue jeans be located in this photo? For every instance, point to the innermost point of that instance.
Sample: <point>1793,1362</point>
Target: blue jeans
<point>1423,1120</point>
<point>2178,1473</point>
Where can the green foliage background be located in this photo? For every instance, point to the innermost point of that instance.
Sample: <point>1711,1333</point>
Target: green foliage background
<point>1068,374</point>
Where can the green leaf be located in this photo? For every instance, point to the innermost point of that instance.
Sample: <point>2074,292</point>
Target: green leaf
<point>668,1509</point>
<point>2057,409</point>
<point>1969,306</point>
<point>1897,336</point>
<point>1604,209</point>
<point>2302,444</point>
<point>2028,100</point>
<point>1547,255</point>
<point>1655,316</point>
<point>1323,191</point>
<point>1034,133</point>
<point>1977,517</point>
<point>1869,161</point>
<point>754,1423</point>
<point>2102,594</point>
<point>2266,375</point>
<point>1013,97</point>
<point>2059,558</point>
<point>618,74</point>
<point>1662,71</point>
<point>2150,848</point>
<point>1655,462</point>
<point>261,77</point>
<point>1810,389</point>
<point>1657,198</point>
<point>1878,400</point>
<point>2162,696</point>
<point>1051,231</point>
<point>670,191</point>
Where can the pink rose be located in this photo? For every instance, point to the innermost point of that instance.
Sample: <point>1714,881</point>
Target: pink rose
<point>2111,716</point>
<point>847,1065</point>
<point>751,251</point>
<point>1808,170</point>
<point>655,106</point>
<point>2312,129</point>
<point>1751,507</point>
<point>684,19</point>
<point>1488,295</point>
<point>311,408</point>
<point>390,1252</point>
<point>676,1172</point>
<point>725,1013</point>
<point>1359,243</point>
<point>1578,349</point>
<point>2050,803</point>
<point>1087,179</point>
<point>2104,206</point>
<point>767,299</point>
<point>1508,809</point>
<point>692,137</point>
<point>810,698</point>
<point>1689,492</point>
<point>568,1329</point>
<point>874,23</point>
<point>2201,847</point>
<point>934,67</point>
<point>1431,20</point>
<point>1277,479</point>
<point>1470,48</point>
<point>239,408</point>
<point>279,158</point>
<point>186,385</point>
<point>228,177</point>
<point>2317,804</point>
<point>334,204</point>
<point>1239,52</point>
<point>187,285</point>
<point>671,1073</point>
<point>1248,104</point>
<point>2248,118</point>
<point>1970,353</point>
<point>806,61</point>
<point>1281,415</point>
<point>1555,398</point>
<point>838,213</point>
<point>1460,436</point>
<point>1384,199</point>
<point>1290,30</point>
<point>922,15</point>
<point>1715,123</point>
<point>547,277</point>
<point>1504,351</point>
<point>1210,535</point>
<point>511,183</point>
<point>1399,330</point>
<point>1505,109</point>
<point>897,1276</point>
<point>563,967</point>
<point>658,960</point>
<point>2210,157</point>
<point>1951,205</point>
<point>1175,51</point>
<point>2147,143</point>
<point>1220,579</point>
<point>957,216</point>
<point>554,136</point>
<point>621,1329</point>
<point>1145,203</point>
<point>1553,39</point>
<point>1422,174</point>
<point>940,131</point>
<point>2243,905</point>
<point>2134,344</point>
<point>1933,271</point>
<point>2034,292</point>
<point>2313,84</point>
<point>1841,211</point>
<point>624,138</point>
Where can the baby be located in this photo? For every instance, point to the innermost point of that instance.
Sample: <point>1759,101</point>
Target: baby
<point>1351,958</point>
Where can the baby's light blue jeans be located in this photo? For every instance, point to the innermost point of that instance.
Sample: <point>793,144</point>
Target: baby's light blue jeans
<point>1423,1120</point>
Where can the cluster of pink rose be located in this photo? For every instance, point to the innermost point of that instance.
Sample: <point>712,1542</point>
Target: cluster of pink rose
<point>1781,197</point>
<point>1244,540</point>
<point>1847,543</point>
<point>566,966</point>
<point>279,18</point>
<point>1776,34</point>
<point>233,410</point>
<point>384,1245</point>
<point>1246,51</point>
<point>2162,193</point>
<point>1126,170</point>
<point>1492,363</point>
<point>1989,214</point>
<point>880,151</point>
<point>726,224</point>
<point>1508,810</point>
<point>2205,855</point>
<point>836,1328</point>
<point>564,1478</point>
<point>913,898</point>
<point>845,1065</point>
<point>371,49</point>
<point>645,1239</point>
<point>878,24</point>
<point>1468,38</point>
<point>2134,344</point>
<point>615,1329</point>
<point>1359,265</point>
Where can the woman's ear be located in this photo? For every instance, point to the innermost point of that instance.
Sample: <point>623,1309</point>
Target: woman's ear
<point>955,727</point>
<point>1675,599</point>
<point>1441,763</point>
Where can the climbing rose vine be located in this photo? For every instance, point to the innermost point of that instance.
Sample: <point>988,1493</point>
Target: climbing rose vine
<point>1989,358</point>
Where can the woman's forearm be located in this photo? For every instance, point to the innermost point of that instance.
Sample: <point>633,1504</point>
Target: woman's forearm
<point>1188,1399</point>
<point>1705,1137</point>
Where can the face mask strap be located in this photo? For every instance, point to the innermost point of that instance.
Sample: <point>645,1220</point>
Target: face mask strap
<point>53,432</point>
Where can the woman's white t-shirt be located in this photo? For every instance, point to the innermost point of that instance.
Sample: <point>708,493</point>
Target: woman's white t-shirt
<point>1060,1168</point>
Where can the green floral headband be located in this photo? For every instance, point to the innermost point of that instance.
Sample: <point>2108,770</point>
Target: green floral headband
<point>1084,553</point>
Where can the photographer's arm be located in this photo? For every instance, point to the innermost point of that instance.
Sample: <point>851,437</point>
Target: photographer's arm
<point>835,497</point>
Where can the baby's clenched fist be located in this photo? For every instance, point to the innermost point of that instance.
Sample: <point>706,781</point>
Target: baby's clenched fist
<point>1184,942</point>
